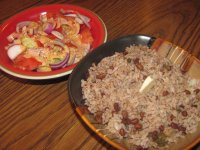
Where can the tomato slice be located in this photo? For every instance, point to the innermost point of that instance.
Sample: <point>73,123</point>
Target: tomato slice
<point>26,63</point>
<point>39,44</point>
<point>69,44</point>
<point>86,35</point>
<point>51,36</point>
<point>52,15</point>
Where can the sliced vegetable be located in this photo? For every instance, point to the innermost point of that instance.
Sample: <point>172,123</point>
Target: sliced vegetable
<point>63,21</point>
<point>87,48</point>
<point>42,33</point>
<point>60,64</point>
<point>56,60</point>
<point>71,15</point>
<point>29,42</point>
<point>78,20</point>
<point>86,36</point>
<point>48,28</point>
<point>35,52</point>
<point>26,63</point>
<point>43,17</point>
<point>71,59</point>
<point>13,36</point>
<point>14,51</point>
<point>85,19</point>
<point>44,69</point>
<point>60,43</point>
<point>71,28</point>
<point>20,25</point>
<point>147,84</point>
<point>74,29</point>
<point>52,22</point>
<point>57,34</point>
<point>43,40</point>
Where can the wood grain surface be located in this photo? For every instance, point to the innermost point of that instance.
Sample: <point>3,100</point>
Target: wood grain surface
<point>39,115</point>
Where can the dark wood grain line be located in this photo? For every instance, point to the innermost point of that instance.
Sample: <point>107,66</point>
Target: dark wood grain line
<point>60,1</point>
<point>194,39</point>
<point>35,127</point>
<point>103,5</point>
<point>24,102</point>
<point>196,52</point>
<point>15,120</point>
<point>97,5</point>
<point>139,25</point>
<point>95,146</point>
<point>198,34</point>
<point>58,131</point>
<point>17,11</point>
<point>178,28</point>
<point>34,93</point>
<point>185,28</point>
<point>108,146</point>
<point>100,143</point>
<point>34,145</point>
<point>160,13</point>
<point>59,135</point>
<point>195,34</point>
<point>72,119</point>
<point>190,39</point>
<point>6,83</point>
<point>84,142</point>
<point>10,94</point>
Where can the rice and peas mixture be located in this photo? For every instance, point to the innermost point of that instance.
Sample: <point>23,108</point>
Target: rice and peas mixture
<point>152,119</point>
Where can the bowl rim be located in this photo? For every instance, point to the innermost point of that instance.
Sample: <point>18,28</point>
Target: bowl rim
<point>52,75</point>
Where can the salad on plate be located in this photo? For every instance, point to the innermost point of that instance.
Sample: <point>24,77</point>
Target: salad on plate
<point>54,41</point>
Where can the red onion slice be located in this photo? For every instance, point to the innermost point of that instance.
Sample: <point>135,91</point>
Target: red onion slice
<point>60,64</point>
<point>48,28</point>
<point>14,51</point>
<point>60,43</point>
<point>75,14</point>
<point>85,19</point>
<point>71,59</point>
<point>57,34</point>
<point>79,20</point>
<point>71,15</point>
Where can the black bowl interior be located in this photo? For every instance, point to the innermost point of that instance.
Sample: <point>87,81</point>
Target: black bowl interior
<point>107,49</point>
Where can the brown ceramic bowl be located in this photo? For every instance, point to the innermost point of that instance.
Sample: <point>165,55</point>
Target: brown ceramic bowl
<point>177,55</point>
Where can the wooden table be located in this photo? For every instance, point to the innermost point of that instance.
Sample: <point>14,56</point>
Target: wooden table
<point>39,115</point>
